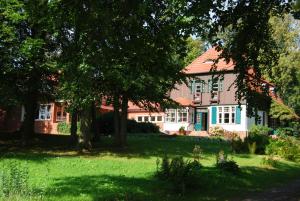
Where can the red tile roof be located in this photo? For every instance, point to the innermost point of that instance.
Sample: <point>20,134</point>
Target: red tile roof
<point>184,101</point>
<point>205,63</point>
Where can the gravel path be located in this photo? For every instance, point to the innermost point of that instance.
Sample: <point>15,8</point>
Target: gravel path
<point>289,192</point>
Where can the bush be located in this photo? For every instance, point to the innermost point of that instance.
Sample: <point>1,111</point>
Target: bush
<point>269,161</point>
<point>284,146</point>
<point>287,131</point>
<point>252,148</point>
<point>14,183</point>
<point>216,131</point>
<point>238,146</point>
<point>260,136</point>
<point>181,174</point>
<point>105,125</point>
<point>64,128</point>
<point>260,130</point>
<point>182,131</point>
<point>230,135</point>
<point>224,164</point>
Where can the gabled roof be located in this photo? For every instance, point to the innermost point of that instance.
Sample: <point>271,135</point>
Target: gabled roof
<point>205,63</point>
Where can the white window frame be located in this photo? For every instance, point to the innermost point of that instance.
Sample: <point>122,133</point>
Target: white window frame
<point>181,114</point>
<point>169,118</point>
<point>48,112</point>
<point>221,114</point>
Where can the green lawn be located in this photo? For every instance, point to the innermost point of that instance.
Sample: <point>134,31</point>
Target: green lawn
<point>111,174</point>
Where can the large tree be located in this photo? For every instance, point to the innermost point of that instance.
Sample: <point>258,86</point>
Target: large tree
<point>286,74</point>
<point>27,70</point>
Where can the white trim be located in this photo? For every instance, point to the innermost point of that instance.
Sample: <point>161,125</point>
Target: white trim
<point>48,112</point>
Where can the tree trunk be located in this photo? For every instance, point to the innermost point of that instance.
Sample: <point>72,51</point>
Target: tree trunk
<point>30,106</point>
<point>73,129</point>
<point>123,126</point>
<point>85,128</point>
<point>96,136</point>
<point>116,105</point>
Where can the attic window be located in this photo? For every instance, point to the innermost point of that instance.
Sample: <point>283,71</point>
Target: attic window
<point>208,61</point>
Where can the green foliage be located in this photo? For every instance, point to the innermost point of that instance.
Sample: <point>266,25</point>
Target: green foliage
<point>284,146</point>
<point>195,47</point>
<point>259,130</point>
<point>238,146</point>
<point>64,127</point>
<point>286,73</point>
<point>14,183</point>
<point>183,175</point>
<point>182,130</point>
<point>260,136</point>
<point>197,152</point>
<point>282,112</point>
<point>105,124</point>
<point>224,164</point>
<point>252,147</point>
<point>269,161</point>
<point>287,131</point>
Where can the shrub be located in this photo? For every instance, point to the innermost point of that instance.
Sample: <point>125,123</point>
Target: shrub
<point>224,164</point>
<point>64,128</point>
<point>105,124</point>
<point>238,146</point>
<point>287,131</point>
<point>284,146</point>
<point>14,183</point>
<point>197,152</point>
<point>182,131</point>
<point>252,147</point>
<point>260,130</point>
<point>229,135</point>
<point>269,161</point>
<point>259,135</point>
<point>216,131</point>
<point>180,173</point>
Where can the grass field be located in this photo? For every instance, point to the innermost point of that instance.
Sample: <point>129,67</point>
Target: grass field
<point>111,174</point>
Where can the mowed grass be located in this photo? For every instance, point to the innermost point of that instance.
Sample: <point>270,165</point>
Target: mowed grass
<point>112,174</point>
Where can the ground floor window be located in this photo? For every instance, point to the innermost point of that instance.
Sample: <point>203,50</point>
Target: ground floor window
<point>226,115</point>
<point>176,115</point>
<point>182,115</point>
<point>44,112</point>
<point>61,114</point>
<point>149,118</point>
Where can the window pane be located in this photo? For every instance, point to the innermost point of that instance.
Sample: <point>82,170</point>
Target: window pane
<point>226,109</point>
<point>220,118</point>
<point>140,119</point>
<point>146,119</point>
<point>232,118</point>
<point>153,118</point>
<point>159,118</point>
<point>226,118</point>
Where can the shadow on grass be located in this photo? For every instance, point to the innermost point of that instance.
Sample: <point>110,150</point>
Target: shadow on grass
<point>139,146</point>
<point>104,187</point>
<point>214,185</point>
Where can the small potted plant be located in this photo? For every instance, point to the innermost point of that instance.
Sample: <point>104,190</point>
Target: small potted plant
<point>182,131</point>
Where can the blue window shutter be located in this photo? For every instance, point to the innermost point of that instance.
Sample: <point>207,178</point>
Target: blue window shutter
<point>213,115</point>
<point>237,115</point>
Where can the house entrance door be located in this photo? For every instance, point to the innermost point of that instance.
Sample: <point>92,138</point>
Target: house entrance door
<point>198,121</point>
<point>201,122</point>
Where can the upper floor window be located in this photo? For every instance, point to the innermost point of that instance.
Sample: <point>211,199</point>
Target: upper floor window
<point>44,112</point>
<point>226,115</point>
<point>199,86</point>
<point>215,85</point>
